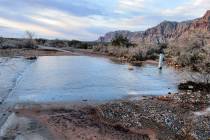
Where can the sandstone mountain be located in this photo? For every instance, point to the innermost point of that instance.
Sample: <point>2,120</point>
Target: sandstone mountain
<point>168,31</point>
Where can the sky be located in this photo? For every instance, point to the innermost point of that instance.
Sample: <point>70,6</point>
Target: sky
<point>89,19</point>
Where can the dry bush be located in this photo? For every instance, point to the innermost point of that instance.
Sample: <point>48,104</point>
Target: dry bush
<point>138,53</point>
<point>100,48</point>
<point>198,62</point>
<point>120,52</point>
<point>193,56</point>
<point>202,69</point>
<point>120,41</point>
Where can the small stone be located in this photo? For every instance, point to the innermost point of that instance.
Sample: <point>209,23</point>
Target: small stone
<point>190,87</point>
<point>188,93</point>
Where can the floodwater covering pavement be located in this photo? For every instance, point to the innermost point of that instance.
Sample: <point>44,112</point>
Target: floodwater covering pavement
<point>76,78</point>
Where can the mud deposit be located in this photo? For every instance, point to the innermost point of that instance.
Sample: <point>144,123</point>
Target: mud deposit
<point>71,123</point>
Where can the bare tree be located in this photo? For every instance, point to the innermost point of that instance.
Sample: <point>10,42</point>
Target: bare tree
<point>31,43</point>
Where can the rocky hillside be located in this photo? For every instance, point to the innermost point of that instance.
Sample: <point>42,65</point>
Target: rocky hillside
<point>168,31</point>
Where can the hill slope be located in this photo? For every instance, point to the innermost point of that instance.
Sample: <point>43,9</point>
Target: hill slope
<point>168,31</point>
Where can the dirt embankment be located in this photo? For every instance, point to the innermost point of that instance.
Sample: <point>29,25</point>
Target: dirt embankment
<point>183,116</point>
<point>68,52</point>
<point>32,52</point>
<point>79,122</point>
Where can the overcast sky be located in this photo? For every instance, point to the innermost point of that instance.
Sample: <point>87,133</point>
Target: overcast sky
<point>88,19</point>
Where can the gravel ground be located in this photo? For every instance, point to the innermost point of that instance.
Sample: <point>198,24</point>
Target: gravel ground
<point>178,116</point>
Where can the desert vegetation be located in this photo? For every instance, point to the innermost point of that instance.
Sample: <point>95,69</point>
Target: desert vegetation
<point>121,47</point>
<point>194,56</point>
<point>28,42</point>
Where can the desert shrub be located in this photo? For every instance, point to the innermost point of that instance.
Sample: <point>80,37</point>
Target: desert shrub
<point>197,61</point>
<point>142,53</point>
<point>191,56</point>
<point>202,70</point>
<point>100,48</point>
<point>121,41</point>
<point>1,40</point>
<point>41,41</point>
<point>111,50</point>
<point>58,43</point>
<point>162,46</point>
<point>81,45</point>
<point>135,54</point>
<point>85,46</point>
<point>74,43</point>
<point>172,51</point>
<point>139,53</point>
<point>97,48</point>
<point>121,52</point>
<point>152,53</point>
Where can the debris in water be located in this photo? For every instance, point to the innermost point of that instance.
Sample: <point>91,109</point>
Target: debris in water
<point>130,67</point>
<point>31,58</point>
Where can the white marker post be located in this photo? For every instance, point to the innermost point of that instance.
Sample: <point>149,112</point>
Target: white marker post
<point>160,65</point>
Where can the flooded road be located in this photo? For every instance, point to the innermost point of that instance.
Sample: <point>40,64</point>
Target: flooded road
<point>77,78</point>
<point>11,71</point>
<point>62,80</point>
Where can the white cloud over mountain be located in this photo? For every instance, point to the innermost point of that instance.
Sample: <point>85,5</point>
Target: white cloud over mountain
<point>88,19</point>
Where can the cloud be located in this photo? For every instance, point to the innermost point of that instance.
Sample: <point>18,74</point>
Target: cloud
<point>125,6</point>
<point>88,19</point>
<point>59,19</point>
<point>191,9</point>
<point>57,23</point>
<point>24,26</point>
<point>117,24</point>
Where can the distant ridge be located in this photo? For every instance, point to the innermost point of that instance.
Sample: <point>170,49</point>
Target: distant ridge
<point>167,31</point>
